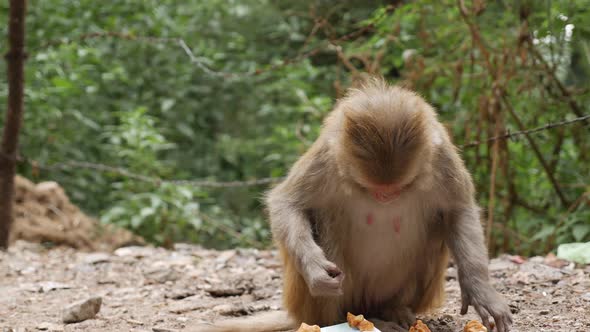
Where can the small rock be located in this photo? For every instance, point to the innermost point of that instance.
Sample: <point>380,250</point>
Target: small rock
<point>225,256</point>
<point>134,251</point>
<point>500,264</point>
<point>222,291</point>
<point>517,259</point>
<point>134,322</point>
<point>223,308</point>
<point>162,329</point>
<point>161,275</point>
<point>48,286</point>
<point>81,311</point>
<point>95,258</point>
<point>46,326</point>
<point>179,294</point>
<point>187,305</point>
<point>537,259</point>
<point>544,312</point>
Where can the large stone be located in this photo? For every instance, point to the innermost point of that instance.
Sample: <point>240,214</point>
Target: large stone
<point>81,311</point>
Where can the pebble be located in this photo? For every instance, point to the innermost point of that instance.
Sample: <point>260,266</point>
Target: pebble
<point>179,294</point>
<point>162,329</point>
<point>161,275</point>
<point>48,286</point>
<point>81,311</point>
<point>134,251</point>
<point>46,326</point>
<point>95,258</point>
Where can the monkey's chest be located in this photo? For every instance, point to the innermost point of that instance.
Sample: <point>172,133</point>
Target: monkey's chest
<point>384,238</point>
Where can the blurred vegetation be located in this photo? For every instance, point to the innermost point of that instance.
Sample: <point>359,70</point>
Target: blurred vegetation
<point>236,90</point>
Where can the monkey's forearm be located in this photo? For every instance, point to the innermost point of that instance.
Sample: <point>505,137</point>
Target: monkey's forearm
<point>293,231</point>
<point>466,242</point>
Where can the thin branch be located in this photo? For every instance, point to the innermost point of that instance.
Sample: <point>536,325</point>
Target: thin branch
<point>562,89</point>
<point>71,165</point>
<point>475,35</point>
<point>536,150</point>
<point>492,194</point>
<point>510,135</point>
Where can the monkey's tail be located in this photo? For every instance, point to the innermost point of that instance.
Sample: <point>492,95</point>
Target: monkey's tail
<point>273,321</point>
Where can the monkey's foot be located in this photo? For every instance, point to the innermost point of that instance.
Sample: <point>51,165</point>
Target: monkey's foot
<point>403,317</point>
<point>384,326</point>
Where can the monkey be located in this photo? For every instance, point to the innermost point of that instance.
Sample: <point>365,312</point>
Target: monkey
<point>367,217</point>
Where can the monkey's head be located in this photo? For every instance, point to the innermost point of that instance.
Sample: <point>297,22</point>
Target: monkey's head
<point>385,144</point>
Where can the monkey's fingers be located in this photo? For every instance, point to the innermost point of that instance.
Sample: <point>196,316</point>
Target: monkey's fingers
<point>485,316</point>
<point>503,322</point>
<point>327,286</point>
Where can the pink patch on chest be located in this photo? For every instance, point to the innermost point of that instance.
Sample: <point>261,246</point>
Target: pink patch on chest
<point>397,224</point>
<point>370,219</point>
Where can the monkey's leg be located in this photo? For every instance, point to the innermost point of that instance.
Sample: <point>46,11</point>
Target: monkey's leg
<point>423,290</point>
<point>386,326</point>
<point>400,317</point>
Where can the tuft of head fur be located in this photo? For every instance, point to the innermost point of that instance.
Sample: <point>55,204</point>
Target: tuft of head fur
<point>385,132</point>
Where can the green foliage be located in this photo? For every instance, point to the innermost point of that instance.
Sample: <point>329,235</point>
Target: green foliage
<point>231,108</point>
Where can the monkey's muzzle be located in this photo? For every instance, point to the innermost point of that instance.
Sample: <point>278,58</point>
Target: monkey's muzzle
<point>386,196</point>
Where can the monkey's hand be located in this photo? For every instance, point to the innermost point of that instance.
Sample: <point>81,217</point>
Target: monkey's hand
<point>323,278</point>
<point>486,302</point>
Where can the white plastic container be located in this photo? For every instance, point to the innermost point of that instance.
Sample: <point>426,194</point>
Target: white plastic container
<point>343,328</point>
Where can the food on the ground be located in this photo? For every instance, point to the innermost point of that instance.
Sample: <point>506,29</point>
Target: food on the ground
<point>365,325</point>
<point>308,328</point>
<point>354,320</point>
<point>419,326</point>
<point>359,322</point>
<point>474,326</point>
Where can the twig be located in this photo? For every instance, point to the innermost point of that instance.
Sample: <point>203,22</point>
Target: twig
<point>528,131</point>
<point>475,36</point>
<point>69,165</point>
<point>562,89</point>
<point>199,63</point>
<point>536,150</point>
<point>492,194</point>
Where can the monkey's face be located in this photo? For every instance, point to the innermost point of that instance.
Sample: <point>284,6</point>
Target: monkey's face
<point>383,155</point>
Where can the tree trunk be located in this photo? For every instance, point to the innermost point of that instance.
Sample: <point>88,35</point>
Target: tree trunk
<point>15,59</point>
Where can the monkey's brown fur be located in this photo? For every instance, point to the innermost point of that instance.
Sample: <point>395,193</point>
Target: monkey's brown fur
<point>344,251</point>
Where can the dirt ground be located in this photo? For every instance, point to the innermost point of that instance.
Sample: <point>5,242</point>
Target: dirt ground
<point>153,289</point>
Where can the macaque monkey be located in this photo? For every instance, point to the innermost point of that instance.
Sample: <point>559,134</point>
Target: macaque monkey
<point>366,218</point>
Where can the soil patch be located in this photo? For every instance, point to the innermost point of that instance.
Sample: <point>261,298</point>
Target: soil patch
<point>43,213</point>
